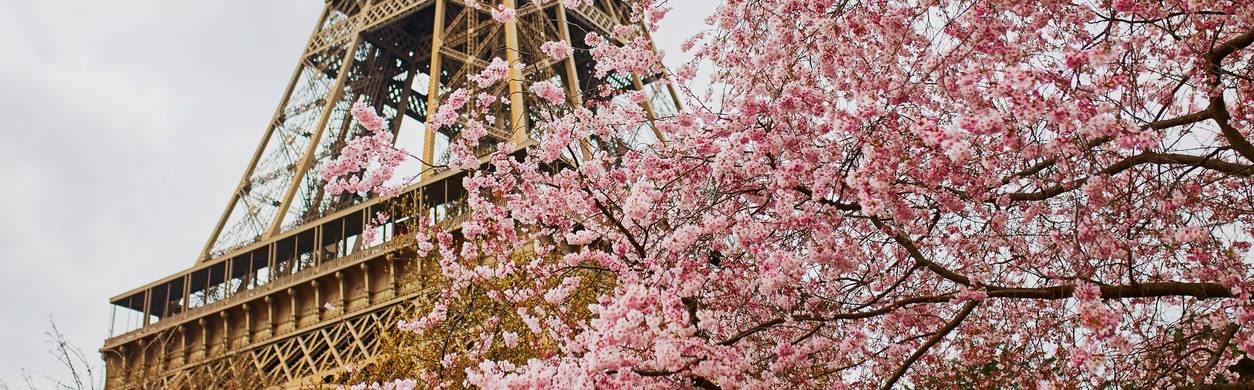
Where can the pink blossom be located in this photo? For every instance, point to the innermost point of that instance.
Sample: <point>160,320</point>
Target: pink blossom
<point>496,71</point>
<point>424,247</point>
<point>436,316</point>
<point>550,91</point>
<point>1075,59</point>
<point>970,294</point>
<point>366,162</point>
<point>503,14</point>
<point>1191,234</point>
<point>556,49</point>
<point>643,195</point>
<point>510,339</point>
<point>398,384</point>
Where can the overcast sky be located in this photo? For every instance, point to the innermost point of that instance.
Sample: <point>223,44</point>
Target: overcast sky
<point>124,126</point>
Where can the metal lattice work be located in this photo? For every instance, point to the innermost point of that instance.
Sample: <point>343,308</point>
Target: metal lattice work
<point>251,308</point>
<point>260,194</point>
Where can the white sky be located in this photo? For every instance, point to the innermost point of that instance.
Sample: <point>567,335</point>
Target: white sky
<point>124,125</point>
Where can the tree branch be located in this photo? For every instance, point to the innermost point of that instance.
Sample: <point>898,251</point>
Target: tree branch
<point>1140,290</point>
<point>618,224</point>
<point>838,316</point>
<point>920,259</point>
<point>1217,54</point>
<point>932,341</point>
<point>1224,339</point>
<point>1182,120</point>
<point>1140,159</point>
<point>705,384</point>
<point>1217,109</point>
<point>699,381</point>
<point>1238,142</point>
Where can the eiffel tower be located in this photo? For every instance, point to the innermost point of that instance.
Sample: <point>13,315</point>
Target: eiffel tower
<point>256,298</point>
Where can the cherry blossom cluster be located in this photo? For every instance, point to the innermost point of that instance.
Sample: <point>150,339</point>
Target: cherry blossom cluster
<point>504,14</point>
<point>870,194</point>
<point>399,384</point>
<point>556,49</point>
<point>550,91</point>
<point>371,231</point>
<point>366,162</point>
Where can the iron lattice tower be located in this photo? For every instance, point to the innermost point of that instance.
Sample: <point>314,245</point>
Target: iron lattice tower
<point>284,248</point>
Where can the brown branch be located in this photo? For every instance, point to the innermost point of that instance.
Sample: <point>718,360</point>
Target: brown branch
<point>837,205</point>
<point>918,257</point>
<point>1141,159</point>
<point>932,341</point>
<point>1224,339</point>
<point>699,381</point>
<point>619,225</point>
<point>702,383</point>
<point>1213,164</point>
<point>1140,290</point>
<point>899,237</point>
<point>1217,108</point>
<point>836,317</point>
<point>1182,120</point>
<point>1238,142</point>
<point>1217,54</point>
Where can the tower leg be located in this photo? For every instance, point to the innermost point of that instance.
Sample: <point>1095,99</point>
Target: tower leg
<point>433,89</point>
<point>307,158</point>
<point>517,111</point>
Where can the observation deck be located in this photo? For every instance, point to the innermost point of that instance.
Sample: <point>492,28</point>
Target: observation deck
<point>269,297</point>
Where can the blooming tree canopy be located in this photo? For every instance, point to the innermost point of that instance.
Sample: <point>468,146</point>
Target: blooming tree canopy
<point>869,194</point>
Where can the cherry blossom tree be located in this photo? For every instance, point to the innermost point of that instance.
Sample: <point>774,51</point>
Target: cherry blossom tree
<point>870,194</point>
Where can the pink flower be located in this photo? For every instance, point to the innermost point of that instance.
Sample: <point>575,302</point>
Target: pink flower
<point>668,355</point>
<point>1125,5</point>
<point>510,339</point>
<point>1098,318</point>
<point>643,195</point>
<point>424,247</point>
<point>556,49</point>
<point>367,162</point>
<point>436,316</point>
<point>1245,316</point>
<point>970,294</point>
<point>503,14</point>
<point>496,71</point>
<point>846,170</point>
<point>370,234</point>
<point>1191,234</point>
<point>1086,291</point>
<point>1247,346</point>
<point>1075,59</point>
<point>549,91</point>
<point>367,117</point>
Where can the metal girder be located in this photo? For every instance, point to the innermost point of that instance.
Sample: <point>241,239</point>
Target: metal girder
<point>388,11</point>
<point>252,165</point>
